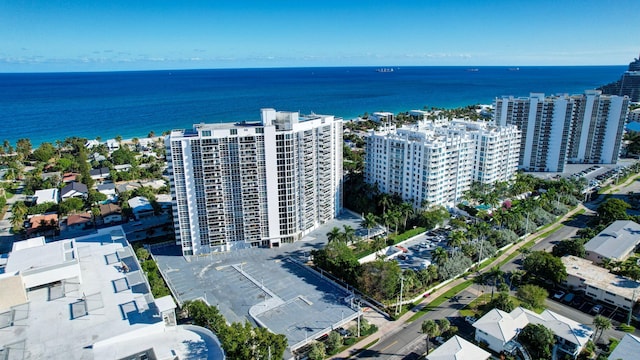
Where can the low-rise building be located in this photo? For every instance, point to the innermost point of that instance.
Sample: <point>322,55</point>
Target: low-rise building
<point>499,330</point>
<point>74,190</point>
<point>141,207</point>
<point>87,298</point>
<point>615,243</point>
<point>110,214</point>
<point>599,284</point>
<point>108,189</point>
<point>46,195</point>
<point>627,349</point>
<point>100,174</point>
<point>46,225</point>
<point>79,221</point>
<point>458,348</point>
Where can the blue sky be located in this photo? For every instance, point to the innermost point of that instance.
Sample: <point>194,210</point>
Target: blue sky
<point>86,35</point>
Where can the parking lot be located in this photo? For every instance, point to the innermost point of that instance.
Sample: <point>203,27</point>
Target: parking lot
<point>589,306</point>
<point>416,253</point>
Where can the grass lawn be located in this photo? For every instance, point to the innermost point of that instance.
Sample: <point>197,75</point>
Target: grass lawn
<point>440,299</point>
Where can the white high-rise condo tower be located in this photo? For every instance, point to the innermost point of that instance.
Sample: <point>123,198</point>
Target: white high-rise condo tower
<point>562,129</point>
<point>254,184</point>
<point>435,162</point>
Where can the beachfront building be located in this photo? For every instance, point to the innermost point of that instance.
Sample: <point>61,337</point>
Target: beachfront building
<point>88,298</point>
<point>436,162</point>
<point>599,284</point>
<point>498,330</point>
<point>562,129</point>
<point>254,184</point>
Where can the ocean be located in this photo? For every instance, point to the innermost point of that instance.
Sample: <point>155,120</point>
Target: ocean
<point>45,107</point>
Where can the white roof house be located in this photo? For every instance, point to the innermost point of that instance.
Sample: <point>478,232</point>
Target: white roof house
<point>598,283</point>
<point>458,348</point>
<point>140,205</point>
<point>627,349</point>
<point>87,298</point>
<point>498,329</point>
<point>47,195</point>
<point>616,242</point>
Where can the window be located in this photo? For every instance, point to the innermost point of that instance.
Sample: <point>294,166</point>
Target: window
<point>233,131</point>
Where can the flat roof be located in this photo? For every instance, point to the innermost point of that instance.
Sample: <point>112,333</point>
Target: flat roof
<point>616,241</point>
<point>276,291</point>
<point>105,312</point>
<point>599,277</point>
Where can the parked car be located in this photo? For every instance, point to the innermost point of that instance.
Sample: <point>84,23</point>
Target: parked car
<point>470,320</point>
<point>596,309</point>
<point>558,295</point>
<point>344,332</point>
<point>439,340</point>
<point>568,298</point>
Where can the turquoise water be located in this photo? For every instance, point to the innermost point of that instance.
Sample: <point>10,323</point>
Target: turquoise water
<point>53,106</point>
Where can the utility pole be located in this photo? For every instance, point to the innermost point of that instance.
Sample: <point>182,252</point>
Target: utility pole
<point>633,301</point>
<point>400,302</point>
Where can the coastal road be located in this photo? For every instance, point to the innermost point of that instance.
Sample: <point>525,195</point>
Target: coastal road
<point>408,342</point>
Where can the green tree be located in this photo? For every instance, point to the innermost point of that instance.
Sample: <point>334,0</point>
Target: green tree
<point>453,266</point>
<point>532,296</point>
<point>334,342</point>
<point>369,222</point>
<point>538,340</point>
<point>601,324</point>
<point>23,148</point>
<point>44,152</point>
<point>503,301</point>
<point>317,351</point>
<point>611,210</point>
<point>380,279</point>
<point>334,235</point>
<point>429,328</point>
<point>573,247</point>
<point>545,266</point>
<point>70,205</point>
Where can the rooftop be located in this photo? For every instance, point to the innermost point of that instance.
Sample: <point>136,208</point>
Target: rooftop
<point>627,349</point>
<point>87,298</point>
<point>458,348</point>
<point>616,241</point>
<point>599,277</point>
<point>46,195</point>
<point>506,326</point>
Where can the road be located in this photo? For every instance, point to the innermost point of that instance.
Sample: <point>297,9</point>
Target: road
<point>408,342</point>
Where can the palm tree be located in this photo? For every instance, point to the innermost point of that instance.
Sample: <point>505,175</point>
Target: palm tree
<point>349,234</point>
<point>334,235</point>
<point>406,209</point>
<point>368,223</point>
<point>439,255</point>
<point>601,324</point>
<point>385,201</point>
<point>429,328</point>
<point>494,275</point>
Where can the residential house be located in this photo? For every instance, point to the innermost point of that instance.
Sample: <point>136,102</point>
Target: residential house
<point>499,330</point>
<point>112,145</point>
<point>69,177</point>
<point>74,190</point>
<point>599,284</point>
<point>46,195</point>
<point>458,348</point>
<point>42,225</point>
<point>100,174</point>
<point>615,243</point>
<point>110,214</point>
<point>141,207</point>
<point>108,189</point>
<point>79,221</point>
<point>628,348</point>
<point>123,167</point>
<point>165,202</point>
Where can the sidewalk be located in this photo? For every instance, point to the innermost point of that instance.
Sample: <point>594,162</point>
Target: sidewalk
<point>391,327</point>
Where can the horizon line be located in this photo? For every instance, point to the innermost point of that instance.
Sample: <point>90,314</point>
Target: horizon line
<point>299,67</point>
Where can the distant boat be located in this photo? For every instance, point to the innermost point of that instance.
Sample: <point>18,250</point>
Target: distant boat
<point>514,69</point>
<point>384,70</point>
<point>473,69</point>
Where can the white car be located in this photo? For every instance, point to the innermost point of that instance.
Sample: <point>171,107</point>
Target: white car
<point>558,295</point>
